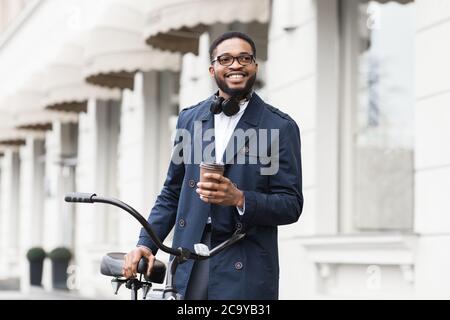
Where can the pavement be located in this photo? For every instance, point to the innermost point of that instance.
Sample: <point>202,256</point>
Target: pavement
<point>10,284</point>
<point>40,294</point>
<point>10,290</point>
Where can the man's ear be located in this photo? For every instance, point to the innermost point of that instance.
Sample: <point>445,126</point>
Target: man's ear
<point>211,71</point>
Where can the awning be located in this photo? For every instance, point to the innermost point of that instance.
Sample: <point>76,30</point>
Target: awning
<point>26,107</point>
<point>12,138</point>
<point>2,151</point>
<point>64,83</point>
<point>9,136</point>
<point>398,1</point>
<point>176,25</point>
<point>115,50</point>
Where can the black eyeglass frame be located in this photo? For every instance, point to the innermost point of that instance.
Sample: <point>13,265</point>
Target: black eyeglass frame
<point>234,58</point>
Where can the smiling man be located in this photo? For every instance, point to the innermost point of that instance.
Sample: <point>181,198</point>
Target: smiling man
<point>233,79</point>
<point>242,199</point>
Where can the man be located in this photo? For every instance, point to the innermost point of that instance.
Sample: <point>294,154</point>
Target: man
<point>245,198</point>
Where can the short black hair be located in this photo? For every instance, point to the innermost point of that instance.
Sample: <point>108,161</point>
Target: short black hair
<point>231,35</point>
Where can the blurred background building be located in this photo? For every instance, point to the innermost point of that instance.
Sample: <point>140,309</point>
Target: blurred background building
<point>89,96</point>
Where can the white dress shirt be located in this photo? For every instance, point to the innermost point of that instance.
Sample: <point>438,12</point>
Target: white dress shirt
<point>223,130</point>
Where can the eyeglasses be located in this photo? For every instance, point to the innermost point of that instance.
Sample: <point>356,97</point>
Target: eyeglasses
<point>227,60</point>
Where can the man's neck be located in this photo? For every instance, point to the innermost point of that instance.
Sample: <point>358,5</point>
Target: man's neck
<point>227,96</point>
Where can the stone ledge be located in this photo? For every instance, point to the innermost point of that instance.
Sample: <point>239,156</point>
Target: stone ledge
<point>394,249</point>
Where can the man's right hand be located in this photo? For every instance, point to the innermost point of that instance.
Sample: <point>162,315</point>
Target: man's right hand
<point>132,259</point>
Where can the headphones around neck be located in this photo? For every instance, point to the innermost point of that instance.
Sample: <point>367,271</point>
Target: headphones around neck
<point>229,106</point>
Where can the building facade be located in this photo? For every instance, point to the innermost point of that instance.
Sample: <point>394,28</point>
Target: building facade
<point>92,89</point>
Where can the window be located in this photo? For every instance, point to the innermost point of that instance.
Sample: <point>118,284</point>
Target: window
<point>377,118</point>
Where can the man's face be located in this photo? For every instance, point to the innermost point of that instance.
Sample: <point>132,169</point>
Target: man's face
<point>235,79</point>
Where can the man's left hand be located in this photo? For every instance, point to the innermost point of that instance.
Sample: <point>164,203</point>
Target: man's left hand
<point>223,192</point>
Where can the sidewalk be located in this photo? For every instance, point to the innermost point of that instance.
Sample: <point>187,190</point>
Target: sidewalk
<point>40,294</point>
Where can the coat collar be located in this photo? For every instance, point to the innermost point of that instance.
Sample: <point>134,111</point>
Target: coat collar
<point>250,119</point>
<point>251,116</point>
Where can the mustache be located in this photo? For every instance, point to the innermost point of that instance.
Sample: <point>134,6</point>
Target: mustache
<point>235,92</point>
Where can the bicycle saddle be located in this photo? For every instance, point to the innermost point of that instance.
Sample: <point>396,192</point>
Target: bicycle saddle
<point>112,266</point>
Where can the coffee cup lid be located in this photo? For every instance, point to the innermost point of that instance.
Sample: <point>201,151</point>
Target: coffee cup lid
<point>213,165</point>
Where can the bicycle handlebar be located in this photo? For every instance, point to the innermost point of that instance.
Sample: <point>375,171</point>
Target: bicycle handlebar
<point>78,197</point>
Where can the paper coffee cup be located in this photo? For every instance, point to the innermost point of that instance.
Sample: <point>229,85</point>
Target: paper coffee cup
<point>210,168</point>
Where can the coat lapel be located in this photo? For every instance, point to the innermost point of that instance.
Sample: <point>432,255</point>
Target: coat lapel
<point>250,119</point>
<point>207,140</point>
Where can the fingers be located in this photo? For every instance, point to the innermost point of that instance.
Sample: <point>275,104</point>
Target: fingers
<point>208,185</point>
<point>214,176</point>
<point>220,178</point>
<point>211,196</point>
<point>129,269</point>
<point>134,264</point>
<point>209,193</point>
<point>211,186</point>
<point>211,200</point>
<point>127,266</point>
<point>151,262</point>
<point>150,259</point>
<point>216,193</point>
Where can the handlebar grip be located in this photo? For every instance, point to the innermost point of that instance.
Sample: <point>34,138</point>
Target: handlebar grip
<point>112,264</point>
<point>79,197</point>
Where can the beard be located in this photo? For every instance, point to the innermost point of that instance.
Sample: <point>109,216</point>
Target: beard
<point>237,93</point>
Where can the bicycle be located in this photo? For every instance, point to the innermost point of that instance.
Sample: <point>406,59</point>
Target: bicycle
<point>112,262</point>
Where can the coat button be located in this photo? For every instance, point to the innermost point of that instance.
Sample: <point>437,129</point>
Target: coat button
<point>238,265</point>
<point>239,226</point>
<point>182,223</point>
<point>191,183</point>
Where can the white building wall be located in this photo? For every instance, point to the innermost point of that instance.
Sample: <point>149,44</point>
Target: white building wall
<point>9,189</point>
<point>32,195</point>
<point>87,217</point>
<point>9,10</point>
<point>42,33</point>
<point>137,173</point>
<point>317,261</point>
<point>291,87</point>
<point>93,221</point>
<point>47,25</point>
<point>53,235</point>
<point>432,162</point>
<point>195,81</point>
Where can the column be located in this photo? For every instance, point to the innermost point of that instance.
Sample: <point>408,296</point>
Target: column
<point>432,159</point>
